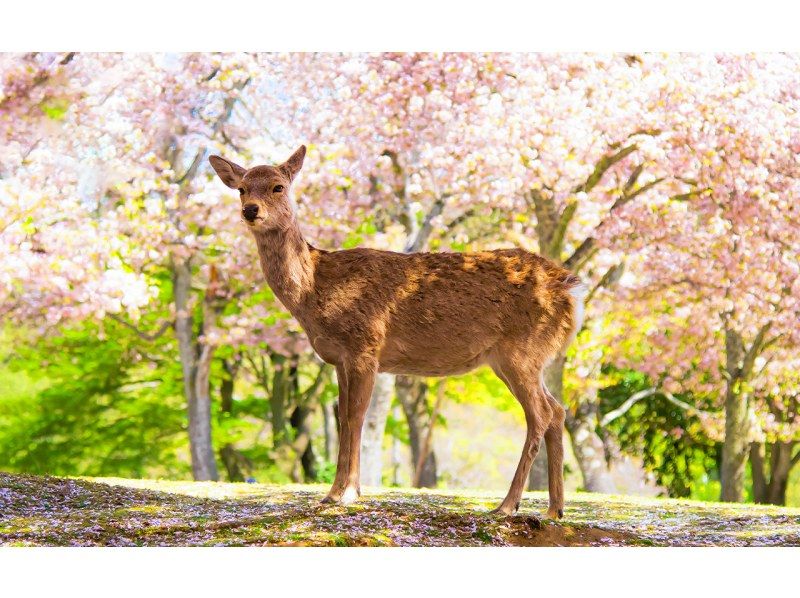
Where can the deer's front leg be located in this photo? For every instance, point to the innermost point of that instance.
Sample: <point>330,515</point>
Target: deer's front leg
<point>340,481</point>
<point>356,380</point>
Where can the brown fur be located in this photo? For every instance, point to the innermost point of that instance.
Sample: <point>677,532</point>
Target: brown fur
<point>427,314</point>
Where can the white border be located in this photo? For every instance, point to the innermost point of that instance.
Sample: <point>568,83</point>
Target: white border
<point>405,25</point>
<point>401,25</point>
<point>402,572</point>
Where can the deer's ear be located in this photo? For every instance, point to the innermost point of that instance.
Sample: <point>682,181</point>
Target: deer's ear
<point>295,162</point>
<point>230,173</point>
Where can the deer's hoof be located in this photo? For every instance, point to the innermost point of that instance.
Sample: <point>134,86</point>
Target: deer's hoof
<point>554,513</point>
<point>502,511</point>
<point>349,496</point>
<point>334,497</point>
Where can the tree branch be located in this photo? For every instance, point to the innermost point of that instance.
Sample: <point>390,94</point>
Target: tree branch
<point>228,105</point>
<point>602,166</point>
<point>634,176</point>
<point>313,391</point>
<point>584,251</point>
<point>612,415</point>
<point>557,240</point>
<point>611,276</point>
<point>424,232</point>
<point>148,337</point>
<point>461,219</point>
<point>625,407</point>
<point>756,347</point>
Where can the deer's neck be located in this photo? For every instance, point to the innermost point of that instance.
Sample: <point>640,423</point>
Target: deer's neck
<point>287,264</point>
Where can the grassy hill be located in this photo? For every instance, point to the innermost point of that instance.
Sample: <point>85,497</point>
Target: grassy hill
<point>49,511</point>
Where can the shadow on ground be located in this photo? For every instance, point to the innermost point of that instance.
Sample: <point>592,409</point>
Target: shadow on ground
<point>49,511</point>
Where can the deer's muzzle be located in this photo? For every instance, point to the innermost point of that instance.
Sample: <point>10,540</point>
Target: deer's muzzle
<point>250,212</point>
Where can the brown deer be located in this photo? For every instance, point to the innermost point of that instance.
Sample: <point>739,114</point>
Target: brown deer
<point>426,314</point>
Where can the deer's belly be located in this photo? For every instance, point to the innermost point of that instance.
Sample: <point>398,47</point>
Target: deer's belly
<point>430,361</point>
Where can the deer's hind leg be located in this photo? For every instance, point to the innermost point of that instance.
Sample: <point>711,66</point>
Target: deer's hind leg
<point>554,440</point>
<point>524,380</point>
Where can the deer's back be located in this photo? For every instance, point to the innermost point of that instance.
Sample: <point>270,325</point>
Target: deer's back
<point>433,313</point>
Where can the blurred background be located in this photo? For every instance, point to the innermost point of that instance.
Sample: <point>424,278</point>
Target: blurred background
<point>138,338</point>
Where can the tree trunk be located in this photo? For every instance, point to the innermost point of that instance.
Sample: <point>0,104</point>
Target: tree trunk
<point>735,446</point>
<point>582,426</point>
<point>195,376</point>
<point>780,468</point>
<point>537,480</point>
<point>413,396</point>
<point>773,490</point>
<point>396,462</point>
<point>427,444</point>
<point>374,426</point>
<point>757,469</point>
<point>235,463</point>
<point>330,429</point>
<point>308,460</point>
<point>279,400</point>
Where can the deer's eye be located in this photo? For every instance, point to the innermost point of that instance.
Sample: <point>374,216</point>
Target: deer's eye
<point>241,191</point>
<point>277,188</point>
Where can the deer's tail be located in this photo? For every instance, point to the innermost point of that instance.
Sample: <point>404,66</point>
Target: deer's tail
<point>578,291</point>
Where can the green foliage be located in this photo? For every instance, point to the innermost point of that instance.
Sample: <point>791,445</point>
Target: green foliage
<point>356,237</point>
<point>326,472</point>
<point>672,444</point>
<point>481,387</point>
<point>88,404</point>
<point>55,108</point>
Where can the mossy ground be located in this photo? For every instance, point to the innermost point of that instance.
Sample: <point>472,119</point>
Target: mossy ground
<point>49,511</point>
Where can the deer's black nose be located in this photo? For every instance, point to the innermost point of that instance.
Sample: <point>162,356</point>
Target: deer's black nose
<point>250,212</point>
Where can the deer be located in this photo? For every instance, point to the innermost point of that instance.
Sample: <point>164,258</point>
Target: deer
<point>425,314</point>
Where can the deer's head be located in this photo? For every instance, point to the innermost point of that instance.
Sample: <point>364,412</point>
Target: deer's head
<point>264,190</point>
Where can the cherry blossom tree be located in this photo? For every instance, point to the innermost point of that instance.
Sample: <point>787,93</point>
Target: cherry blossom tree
<point>588,142</point>
<point>119,202</point>
<point>721,274</point>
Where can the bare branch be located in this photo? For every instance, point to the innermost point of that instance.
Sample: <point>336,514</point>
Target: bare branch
<point>633,178</point>
<point>603,165</point>
<point>316,387</point>
<point>146,336</point>
<point>622,409</point>
<point>424,232</point>
<point>228,106</point>
<point>643,394</point>
<point>587,247</point>
<point>583,252</point>
<point>611,276</point>
<point>756,347</point>
<point>557,241</point>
